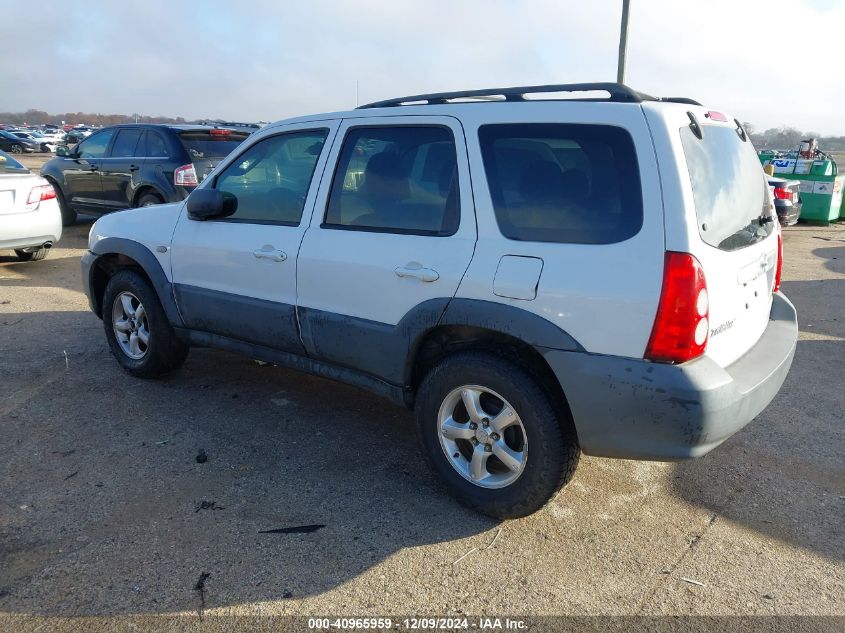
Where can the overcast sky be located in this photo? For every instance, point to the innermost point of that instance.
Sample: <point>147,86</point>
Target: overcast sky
<point>771,62</point>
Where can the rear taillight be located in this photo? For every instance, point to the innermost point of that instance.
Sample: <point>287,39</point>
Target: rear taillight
<point>779,267</point>
<point>682,324</point>
<point>39,193</point>
<point>185,176</point>
<point>219,132</point>
<point>782,193</point>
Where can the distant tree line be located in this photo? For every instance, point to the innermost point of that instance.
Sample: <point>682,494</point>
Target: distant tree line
<point>789,138</point>
<point>39,117</point>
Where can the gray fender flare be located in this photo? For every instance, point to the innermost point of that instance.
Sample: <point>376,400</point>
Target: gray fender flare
<point>506,319</point>
<point>151,266</point>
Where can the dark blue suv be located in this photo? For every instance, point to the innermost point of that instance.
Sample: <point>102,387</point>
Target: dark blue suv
<point>136,165</point>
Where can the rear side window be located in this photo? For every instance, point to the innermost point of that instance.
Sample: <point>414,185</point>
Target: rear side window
<point>155,145</point>
<point>728,187</point>
<point>400,179</point>
<point>568,183</point>
<point>125,143</point>
<point>203,144</point>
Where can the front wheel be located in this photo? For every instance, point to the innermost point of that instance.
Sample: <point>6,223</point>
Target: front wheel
<point>16,149</point>
<point>492,435</point>
<point>139,334</point>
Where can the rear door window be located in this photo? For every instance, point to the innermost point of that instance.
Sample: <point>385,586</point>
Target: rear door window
<point>396,179</point>
<point>126,143</point>
<point>567,183</point>
<point>728,187</point>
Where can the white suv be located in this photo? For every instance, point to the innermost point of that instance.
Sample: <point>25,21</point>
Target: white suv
<point>534,277</point>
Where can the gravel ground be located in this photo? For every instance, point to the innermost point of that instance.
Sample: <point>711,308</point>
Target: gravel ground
<point>105,512</point>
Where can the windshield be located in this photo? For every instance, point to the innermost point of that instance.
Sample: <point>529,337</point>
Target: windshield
<point>9,164</point>
<point>728,186</point>
<point>205,145</point>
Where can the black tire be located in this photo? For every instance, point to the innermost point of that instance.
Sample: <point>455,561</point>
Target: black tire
<point>32,256</point>
<point>149,199</point>
<point>165,351</point>
<point>68,214</point>
<point>16,149</point>
<point>553,450</point>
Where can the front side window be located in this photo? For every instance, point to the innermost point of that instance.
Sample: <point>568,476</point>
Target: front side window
<point>95,145</point>
<point>125,143</point>
<point>271,178</point>
<point>400,179</point>
<point>565,183</point>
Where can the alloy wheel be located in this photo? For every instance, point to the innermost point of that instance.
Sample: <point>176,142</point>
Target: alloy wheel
<point>482,436</point>
<point>131,329</point>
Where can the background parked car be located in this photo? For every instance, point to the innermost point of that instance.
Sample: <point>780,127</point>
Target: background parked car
<point>787,199</point>
<point>44,143</point>
<point>16,145</point>
<point>75,135</point>
<point>136,165</point>
<point>30,220</point>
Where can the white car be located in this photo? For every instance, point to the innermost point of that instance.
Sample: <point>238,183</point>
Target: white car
<point>30,220</point>
<point>46,144</point>
<point>534,277</point>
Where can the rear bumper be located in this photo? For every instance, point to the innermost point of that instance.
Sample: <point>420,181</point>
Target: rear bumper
<point>788,213</point>
<point>33,228</point>
<point>635,409</point>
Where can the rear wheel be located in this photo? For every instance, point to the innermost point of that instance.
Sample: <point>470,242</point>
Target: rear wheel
<point>31,256</point>
<point>137,329</point>
<point>16,149</point>
<point>492,435</point>
<point>149,199</point>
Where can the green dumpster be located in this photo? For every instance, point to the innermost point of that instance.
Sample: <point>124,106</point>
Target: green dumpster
<point>821,185</point>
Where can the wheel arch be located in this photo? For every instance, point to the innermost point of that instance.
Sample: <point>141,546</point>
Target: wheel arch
<point>114,254</point>
<point>145,189</point>
<point>497,329</point>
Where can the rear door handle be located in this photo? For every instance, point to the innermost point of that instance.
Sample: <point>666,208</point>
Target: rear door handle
<point>268,252</point>
<point>133,167</point>
<point>415,270</point>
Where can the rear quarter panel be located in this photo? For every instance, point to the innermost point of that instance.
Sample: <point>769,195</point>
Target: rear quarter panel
<point>603,296</point>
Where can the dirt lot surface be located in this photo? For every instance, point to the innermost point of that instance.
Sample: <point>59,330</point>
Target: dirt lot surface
<point>104,510</point>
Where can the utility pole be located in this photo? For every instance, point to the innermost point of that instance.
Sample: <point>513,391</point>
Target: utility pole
<point>623,42</point>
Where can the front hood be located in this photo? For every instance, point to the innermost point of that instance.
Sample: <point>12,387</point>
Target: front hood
<point>151,226</point>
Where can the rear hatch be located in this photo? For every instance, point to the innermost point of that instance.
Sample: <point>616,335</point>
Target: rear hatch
<point>737,232</point>
<point>206,148</point>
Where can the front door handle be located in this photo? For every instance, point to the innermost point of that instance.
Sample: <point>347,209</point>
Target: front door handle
<point>133,167</point>
<point>268,252</point>
<point>415,270</point>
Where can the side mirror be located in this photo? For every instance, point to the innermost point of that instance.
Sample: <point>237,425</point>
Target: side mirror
<point>207,204</point>
<point>62,150</point>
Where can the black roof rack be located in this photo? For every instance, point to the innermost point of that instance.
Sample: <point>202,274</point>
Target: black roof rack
<point>686,100</point>
<point>617,92</point>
